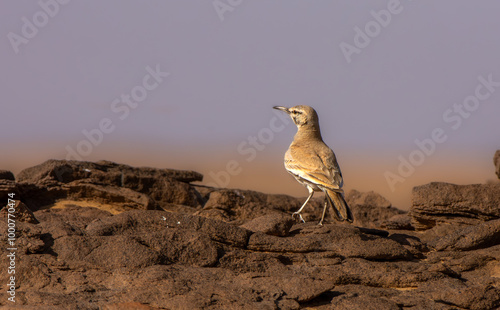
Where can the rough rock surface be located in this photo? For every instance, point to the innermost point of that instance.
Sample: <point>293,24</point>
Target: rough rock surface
<point>6,187</point>
<point>123,186</point>
<point>236,250</point>
<point>370,209</point>
<point>20,212</point>
<point>239,206</point>
<point>398,222</point>
<point>436,203</point>
<point>277,224</point>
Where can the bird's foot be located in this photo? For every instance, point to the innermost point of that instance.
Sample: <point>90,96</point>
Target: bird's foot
<point>300,218</point>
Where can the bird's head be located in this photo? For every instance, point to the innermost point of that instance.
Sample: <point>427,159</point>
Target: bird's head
<point>301,115</point>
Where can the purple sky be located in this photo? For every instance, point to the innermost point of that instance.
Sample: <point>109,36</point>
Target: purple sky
<point>228,68</point>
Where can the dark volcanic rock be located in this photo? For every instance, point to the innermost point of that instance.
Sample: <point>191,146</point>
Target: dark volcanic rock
<point>340,240</point>
<point>437,203</point>
<point>239,206</point>
<point>80,257</point>
<point>370,209</point>
<point>277,224</point>
<point>372,199</point>
<point>353,301</point>
<point>470,238</point>
<point>162,186</point>
<point>133,220</point>
<point>398,222</point>
<point>107,172</point>
<point>496,161</point>
<point>87,258</point>
<point>127,198</point>
<point>6,175</point>
<point>7,187</point>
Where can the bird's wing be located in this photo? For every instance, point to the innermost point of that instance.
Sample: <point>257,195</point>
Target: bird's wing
<point>316,166</point>
<point>332,168</point>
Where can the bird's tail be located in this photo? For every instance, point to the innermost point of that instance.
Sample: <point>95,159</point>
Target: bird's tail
<point>339,206</point>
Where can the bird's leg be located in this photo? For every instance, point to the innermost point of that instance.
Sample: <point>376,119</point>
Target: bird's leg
<point>311,193</point>
<point>324,212</point>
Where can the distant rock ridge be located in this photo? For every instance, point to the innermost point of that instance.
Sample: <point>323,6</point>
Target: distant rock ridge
<point>496,161</point>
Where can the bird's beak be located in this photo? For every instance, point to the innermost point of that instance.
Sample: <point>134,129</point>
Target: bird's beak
<point>282,109</point>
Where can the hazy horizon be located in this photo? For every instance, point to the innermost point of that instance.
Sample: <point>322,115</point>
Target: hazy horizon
<point>407,92</point>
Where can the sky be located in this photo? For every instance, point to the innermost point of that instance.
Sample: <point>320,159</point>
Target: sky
<point>407,92</point>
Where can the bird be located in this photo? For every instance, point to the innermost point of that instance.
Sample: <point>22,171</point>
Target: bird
<point>313,163</point>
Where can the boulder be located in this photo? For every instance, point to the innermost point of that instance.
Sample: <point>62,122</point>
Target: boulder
<point>108,172</point>
<point>438,203</point>
<point>6,175</point>
<point>163,186</point>
<point>372,199</point>
<point>370,209</point>
<point>470,238</point>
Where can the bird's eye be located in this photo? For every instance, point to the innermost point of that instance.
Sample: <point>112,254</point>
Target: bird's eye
<point>296,112</point>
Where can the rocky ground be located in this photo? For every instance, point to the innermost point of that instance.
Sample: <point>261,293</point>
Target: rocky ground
<point>108,236</point>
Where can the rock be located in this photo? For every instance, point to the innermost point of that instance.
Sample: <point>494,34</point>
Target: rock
<point>457,294</point>
<point>108,172</point>
<point>7,187</point>
<point>370,209</point>
<point>412,243</point>
<point>381,274</point>
<point>160,259</point>
<point>358,297</point>
<point>72,220</point>
<point>127,306</point>
<point>102,245</point>
<point>163,186</point>
<point>6,175</point>
<point>341,240</point>
<point>437,203</point>
<point>28,236</point>
<point>129,221</point>
<point>496,161</point>
<point>277,224</point>
<point>372,199</point>
<point>353,301</point>
<point>183,246</point>
<point>470,238</point>
<point>238,206</point>
<point>121,251</point>
<point>124,198</point>
<point>241,262</point>
<point>21,213</point>
<point>398,222</point>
